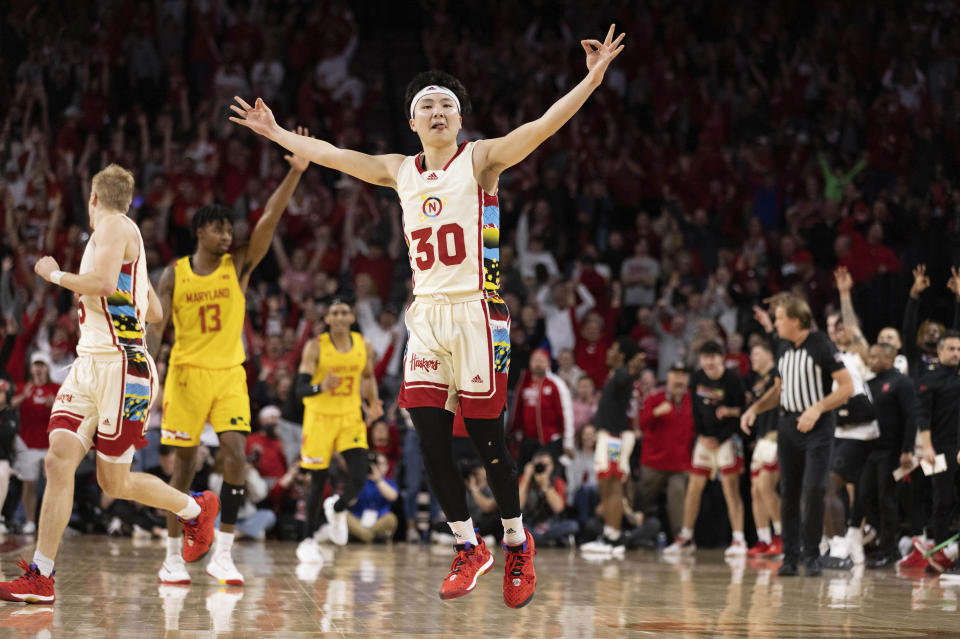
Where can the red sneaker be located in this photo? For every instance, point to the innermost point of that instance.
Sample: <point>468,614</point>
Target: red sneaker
<point>775,547</point>
<point>198,534</point>
<point>519,577</point>
<point>467,566</point>
<point>915,559</point>
<point>32,587</point>
<point>759,549</point>
<point>939,562</point>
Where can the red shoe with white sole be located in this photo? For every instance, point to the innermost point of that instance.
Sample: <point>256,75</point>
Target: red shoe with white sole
<point>32,587</point>
<point>519,577</point>
<point>198,533</point>
<point>470,562</point>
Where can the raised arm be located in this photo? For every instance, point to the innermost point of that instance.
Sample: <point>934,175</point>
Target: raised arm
<point>851,323</point>
<point>921,282</point>
<point>262,234</point>
<point>492,157</point>
<point>156,330</point>
<point>375,169</point>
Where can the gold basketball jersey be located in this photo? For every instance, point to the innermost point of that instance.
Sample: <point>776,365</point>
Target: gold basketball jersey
<point>208,314</point>
<point>345,398</point>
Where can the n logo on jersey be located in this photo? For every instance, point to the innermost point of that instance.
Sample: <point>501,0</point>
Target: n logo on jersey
<point>431,207</point>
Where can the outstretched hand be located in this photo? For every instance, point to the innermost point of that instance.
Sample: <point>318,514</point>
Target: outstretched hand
<point>844,279</point>
<point>921,281</point>
<point>601,54</point>
<point>257,118</point>
<point>296,162</point>
<point>954,282</point>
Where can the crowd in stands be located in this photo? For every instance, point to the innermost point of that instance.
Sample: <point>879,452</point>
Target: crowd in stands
<point>736,150</point>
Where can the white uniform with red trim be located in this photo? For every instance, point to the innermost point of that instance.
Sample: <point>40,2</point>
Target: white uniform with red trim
<point>459,328</point>
<point>105,400</point>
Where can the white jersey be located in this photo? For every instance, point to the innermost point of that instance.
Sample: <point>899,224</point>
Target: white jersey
<point>867,430</point>
<point>113,326</point>
<point>452,228</point>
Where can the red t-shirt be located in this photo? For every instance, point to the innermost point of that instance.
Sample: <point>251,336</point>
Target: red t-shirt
<point>272,462</point>
<point>35,414</point>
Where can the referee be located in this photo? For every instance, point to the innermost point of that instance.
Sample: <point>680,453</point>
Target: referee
<point>809,364</point>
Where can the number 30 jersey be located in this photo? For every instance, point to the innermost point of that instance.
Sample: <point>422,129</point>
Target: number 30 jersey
<point>451,226</point>
<point>208,313</point>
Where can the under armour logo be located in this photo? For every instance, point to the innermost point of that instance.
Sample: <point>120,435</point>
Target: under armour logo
<point>236,491</point>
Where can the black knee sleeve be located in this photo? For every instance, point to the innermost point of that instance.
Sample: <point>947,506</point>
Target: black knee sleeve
<point>358,467</point>
<point>231,498</point>
<point>489,439</point>
<point>318,483</point>
<point>435,430</point>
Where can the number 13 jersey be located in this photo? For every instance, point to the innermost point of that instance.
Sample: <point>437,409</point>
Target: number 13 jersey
<point>208,313</point>
<point>452,228</point>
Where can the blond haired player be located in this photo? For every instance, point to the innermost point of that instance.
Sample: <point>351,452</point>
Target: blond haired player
<point>105,401</point>
<point>458,352</point>
<point>335,369</point>
<point>206,381</point>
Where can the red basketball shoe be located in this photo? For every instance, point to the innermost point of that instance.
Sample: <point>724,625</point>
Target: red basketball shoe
<point>759,549</point>
<point>775,547</point>
<point>467,566</point>
<point>198,533</point>
<point>32,587</point>
<point>915,559</point>
<point>939,562</point>
<point>519,577</point>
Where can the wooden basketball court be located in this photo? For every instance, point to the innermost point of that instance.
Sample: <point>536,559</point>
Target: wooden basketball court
<point>108,587</point>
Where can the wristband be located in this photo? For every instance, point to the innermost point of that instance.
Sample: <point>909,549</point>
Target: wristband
<point>316,389</point>
<point>56,276</point>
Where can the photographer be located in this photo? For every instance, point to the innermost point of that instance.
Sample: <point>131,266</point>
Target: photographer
<point>370,517</point>
<point>543,499</point>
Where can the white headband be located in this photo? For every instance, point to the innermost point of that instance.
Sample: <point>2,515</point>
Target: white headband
<point>433,89</point>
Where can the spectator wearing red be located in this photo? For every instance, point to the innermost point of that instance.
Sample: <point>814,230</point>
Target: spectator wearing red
<point>595,338</point>
<point>265,448</point>
<point>736,359</point>
<point>667,425</point>
<point>542,414</point>
<point>35,399</point>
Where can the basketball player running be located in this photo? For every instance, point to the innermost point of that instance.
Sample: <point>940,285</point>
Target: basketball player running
<point>206,381</point>
<point>459,349</point>
<point>334,369</point>
<point>105,400</point>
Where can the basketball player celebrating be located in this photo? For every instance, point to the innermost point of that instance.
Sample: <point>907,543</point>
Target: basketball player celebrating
<point>334,368</point>
<point>105,400</point>
<point>459,349</point>
<point>206,382</point>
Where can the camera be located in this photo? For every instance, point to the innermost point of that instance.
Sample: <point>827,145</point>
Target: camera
<point>539,468</point>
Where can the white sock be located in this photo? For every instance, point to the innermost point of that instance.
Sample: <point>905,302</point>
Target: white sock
<point>44,564</point>
<point>611,533</point>
<point>738,536</point>
<point>777,528</point>
<point>763,534</point>
<point>463,531</point>
<point>224,541</point>
<point>513,533</point>
<point>173,546</point>
<point>686,533</point>
<point>190,511</point>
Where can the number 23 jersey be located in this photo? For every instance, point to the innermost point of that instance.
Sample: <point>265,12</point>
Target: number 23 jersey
<point>452,228</point>
<point>208,313</point>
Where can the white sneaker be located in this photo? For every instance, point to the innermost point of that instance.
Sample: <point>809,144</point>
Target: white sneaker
<point>603,546</point>
<point>174,571</point>
<point>838,547</point>
<point>338,521</point>
<point>736,548</point>
<point>309,552</point>
<point>857,554</point>
<point>221,568</point>
<point>220,605</point>
<point>172,598</point>
<point>323,534</point>
<point>30,528</point>
<point>680,546</point>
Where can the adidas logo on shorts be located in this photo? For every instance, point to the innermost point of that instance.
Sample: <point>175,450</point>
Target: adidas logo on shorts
<point>477,380</point>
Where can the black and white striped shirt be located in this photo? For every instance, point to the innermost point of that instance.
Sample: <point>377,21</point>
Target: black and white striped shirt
<point>806,371</point>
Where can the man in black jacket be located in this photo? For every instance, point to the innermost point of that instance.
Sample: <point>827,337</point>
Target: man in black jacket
<point>895,401</point>
<point>937,416</point>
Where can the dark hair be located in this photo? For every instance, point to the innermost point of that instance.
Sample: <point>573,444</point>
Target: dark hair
<point>208,215</point>
<point>888,350</point>
<point>628,347</point>
<point>339,299</point>
<point>947,334</point>
<point>710,348</point>
<point>440,78</point>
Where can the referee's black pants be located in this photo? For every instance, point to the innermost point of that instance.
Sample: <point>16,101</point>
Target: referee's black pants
<point>804,468</point>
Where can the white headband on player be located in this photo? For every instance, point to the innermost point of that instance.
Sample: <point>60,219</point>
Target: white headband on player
<point>433,89</point>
